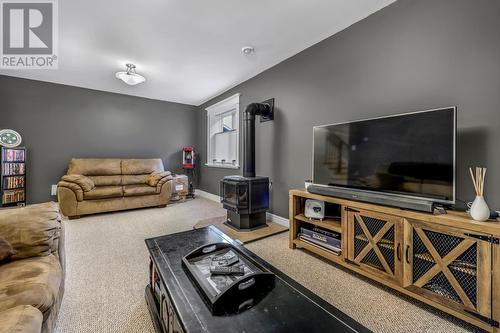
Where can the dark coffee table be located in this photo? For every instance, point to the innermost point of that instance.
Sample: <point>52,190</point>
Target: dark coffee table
<point>176,305</point>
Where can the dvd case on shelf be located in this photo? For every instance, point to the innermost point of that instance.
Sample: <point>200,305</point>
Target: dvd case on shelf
<point>11,169</point>
<point>13,155</point>
<point>13,182</point>
<point>11,196</point>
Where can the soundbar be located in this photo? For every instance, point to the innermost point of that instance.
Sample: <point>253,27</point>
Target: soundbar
<point>421,205</point>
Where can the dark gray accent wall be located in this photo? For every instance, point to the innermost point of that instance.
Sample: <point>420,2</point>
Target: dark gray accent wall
<point>60,122</point>
<point>411,55</point>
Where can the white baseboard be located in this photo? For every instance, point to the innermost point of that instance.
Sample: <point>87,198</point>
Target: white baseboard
<point>207,195</point>
<point>270,217</point>
<point>278,219</point>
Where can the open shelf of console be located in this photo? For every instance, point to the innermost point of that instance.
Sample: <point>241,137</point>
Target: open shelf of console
<point>327,223</point>
<point>331,224</point>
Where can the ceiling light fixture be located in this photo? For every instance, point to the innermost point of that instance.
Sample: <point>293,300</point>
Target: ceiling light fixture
<point>130,77</point>
<point>247,50</point>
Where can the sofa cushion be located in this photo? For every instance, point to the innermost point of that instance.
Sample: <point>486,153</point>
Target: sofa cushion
<point>132,190</point>
<point>104,192</point>
<point>33,281</point>
<point>95,167</point>
<point>84,182</point>
<point>6,249</point>
<point>106,180</point>
<point>134,179</point>
<point>141,166</point>
<point>155,176</point>
<point>32,230</point>
<point>21,319</point>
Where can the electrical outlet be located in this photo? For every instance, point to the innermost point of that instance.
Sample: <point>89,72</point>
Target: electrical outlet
<point>53,190</point>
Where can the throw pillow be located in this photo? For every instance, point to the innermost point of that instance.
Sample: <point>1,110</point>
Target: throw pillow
<point>6,249</point>
<point>84,182</point>
<point>155,176</point>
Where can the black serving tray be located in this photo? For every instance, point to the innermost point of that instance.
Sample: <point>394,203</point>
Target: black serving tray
<point>226,295</point>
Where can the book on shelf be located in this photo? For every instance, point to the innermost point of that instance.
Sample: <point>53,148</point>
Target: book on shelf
<point>12,169</point>
<point>12,182</point>
<point>11,196</point>
<point>13,155</point>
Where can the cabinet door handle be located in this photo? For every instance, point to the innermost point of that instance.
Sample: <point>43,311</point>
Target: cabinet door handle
<point>407,254</point>
<point>398,251</point>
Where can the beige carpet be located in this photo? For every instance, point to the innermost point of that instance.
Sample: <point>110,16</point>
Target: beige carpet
<point>107,265</point>
<point>243,236</point>
<point>107,270</point>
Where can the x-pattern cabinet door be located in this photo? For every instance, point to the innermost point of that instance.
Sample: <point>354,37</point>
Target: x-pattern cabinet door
<point>449,266</point>
<point>375,243</point>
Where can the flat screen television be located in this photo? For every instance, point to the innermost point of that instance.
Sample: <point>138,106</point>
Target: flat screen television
<point>410,155</point>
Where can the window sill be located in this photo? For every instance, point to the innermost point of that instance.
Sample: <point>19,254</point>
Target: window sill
<point>222,166</point>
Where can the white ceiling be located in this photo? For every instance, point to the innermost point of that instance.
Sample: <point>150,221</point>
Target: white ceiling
<point>189,50</point>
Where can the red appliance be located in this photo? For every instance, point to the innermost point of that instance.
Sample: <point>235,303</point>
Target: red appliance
<point>188,164</point>
<point>188,158</point>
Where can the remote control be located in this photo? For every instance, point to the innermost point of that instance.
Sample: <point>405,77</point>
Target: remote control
<point>223,270</point>
<point>225,262</point>
<point>227,256</point>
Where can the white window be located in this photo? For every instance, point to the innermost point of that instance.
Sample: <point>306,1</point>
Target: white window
<point>223,123</point>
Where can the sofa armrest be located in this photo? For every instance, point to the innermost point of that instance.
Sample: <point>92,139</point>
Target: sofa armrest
<point>68,199</point>
<point>34,230</point>
<point>22,319</point>
<point>161,182</point>
<point>165,190</point>
<point>73,187</point>
<point>84,182</point>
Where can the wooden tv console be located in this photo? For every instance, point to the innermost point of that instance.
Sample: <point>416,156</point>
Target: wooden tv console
<point>447,261</point>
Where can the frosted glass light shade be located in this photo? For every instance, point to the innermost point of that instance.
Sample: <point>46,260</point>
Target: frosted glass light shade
<point>130,78</point>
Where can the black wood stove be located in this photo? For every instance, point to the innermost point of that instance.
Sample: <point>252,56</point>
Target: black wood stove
<point>246,197</point>
<point>246,200</point>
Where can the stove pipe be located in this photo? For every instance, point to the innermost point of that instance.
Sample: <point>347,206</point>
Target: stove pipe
<point>252,110</point>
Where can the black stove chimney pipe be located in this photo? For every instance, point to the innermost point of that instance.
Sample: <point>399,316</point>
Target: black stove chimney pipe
<point>252,110</point>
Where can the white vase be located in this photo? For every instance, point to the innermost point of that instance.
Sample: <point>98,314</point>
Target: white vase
<point>479,209</point>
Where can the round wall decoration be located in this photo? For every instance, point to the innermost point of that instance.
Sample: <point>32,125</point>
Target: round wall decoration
<point>9,138</point>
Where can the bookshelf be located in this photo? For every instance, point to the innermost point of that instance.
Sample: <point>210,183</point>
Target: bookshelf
<point>13,176</point>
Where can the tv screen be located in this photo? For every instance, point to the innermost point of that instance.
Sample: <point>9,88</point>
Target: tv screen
<point>410,154</point>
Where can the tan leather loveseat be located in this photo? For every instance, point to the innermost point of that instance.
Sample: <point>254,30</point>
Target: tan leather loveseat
<point>31,268</point>
<point>103,185</point>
